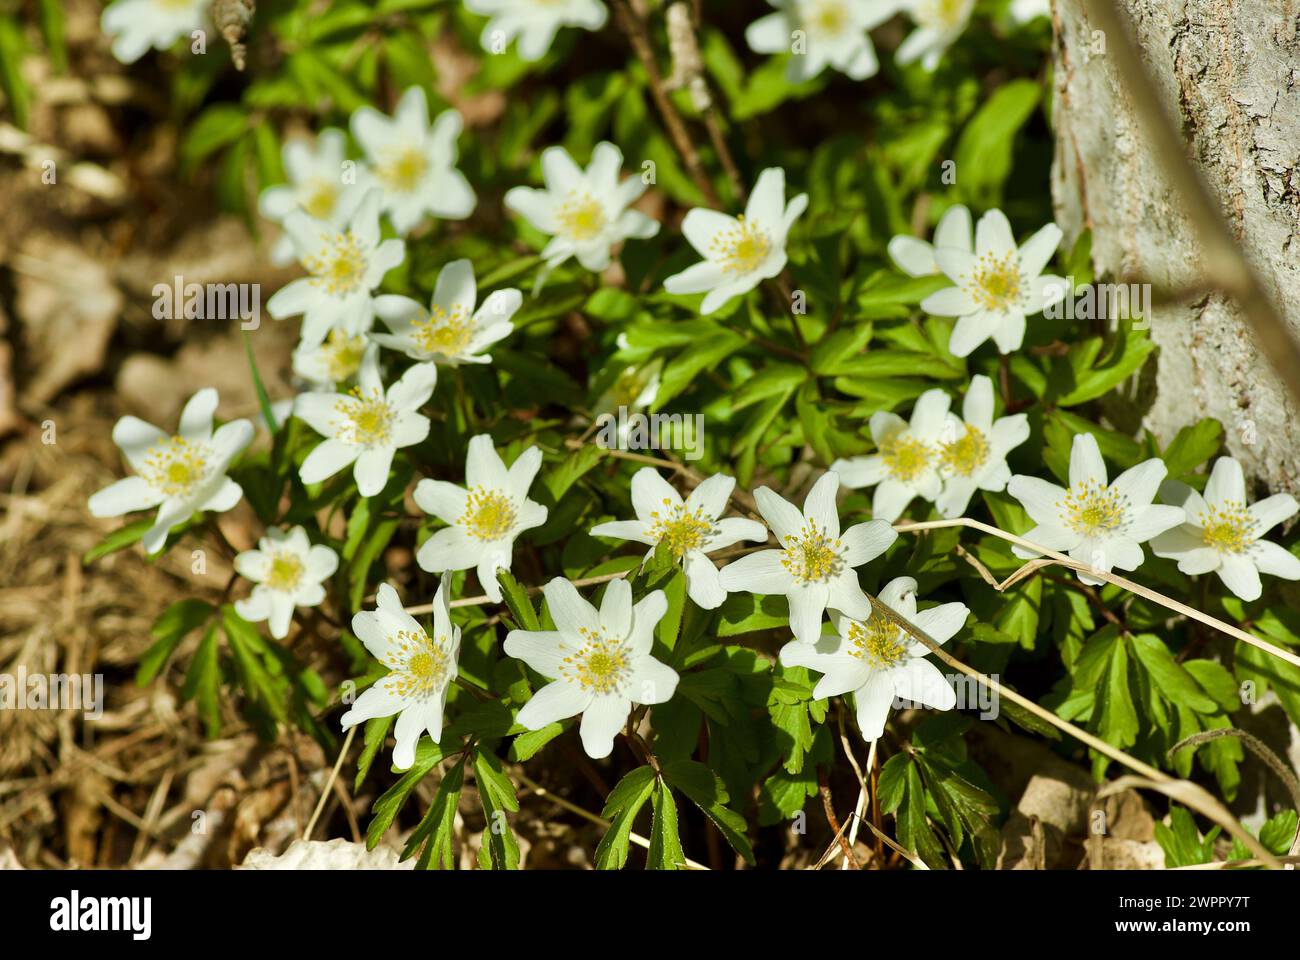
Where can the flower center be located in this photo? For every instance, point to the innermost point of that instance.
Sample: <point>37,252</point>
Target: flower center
<point>878,642</point>
<point>367,418</point>
<point>319,198</point>
<point>342,355</point>
<point>827,19</point>
<point>403,169</point>
<point>811,555</point>
<point>905,457</point>
<point>175,466</point>
<point>443,332</point>
<point>489,514</point>
<point>581,217</point>
<point>742,248</point>
<point>419,666</point>
<point>1228,527</point>
<point>599,666</point>
<point>995,284</point>
<point>286,571</point>
<point>1090,508</point>
<point>965,455</point>
<point>340,266</point>
<point>680,529</point>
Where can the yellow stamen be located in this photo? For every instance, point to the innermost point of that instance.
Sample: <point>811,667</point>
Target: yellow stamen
<point>403,169</point>
<point>286,572</point>
<point>996,282</point>
<point>741,248</point>
<point>489,514</point>
<point>680,529</point>
<point>443,332</point>
<point>811,555</point>
<point>175,466</point>
<point>1091,508</point>
<point>319,197</point>
<point>1228,527</point>
<point>878,642</point>
<point>342,355</point>
<point>599,666</point>
<point>367,418</point>
<point>339,268</point>
<point>581,217</point>
<point>419,666</point>
<point>965,455</point>
<point>906,457</point>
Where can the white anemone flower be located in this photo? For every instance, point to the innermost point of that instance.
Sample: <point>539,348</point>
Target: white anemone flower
<point>876,661</point>
<point>421,668</point>
<point>345,265</point>
<point>815,567</point>
<point>996,286</point>
<point>336,359</point>
<point>1223,535</point>
<point>181,474</point>
<point>739,252</point>
<point>690,529</point>
<point>585,212</point>
<point>599,661</point>
<point>366,426</point>
<point>315,172</point>
<point>288,572</point>
<point>137,25</point>
<point>916,258</point>
<point>484,517</point>
<point>534,22</point>
<point>1096,523</point>
<point>938,25</point>
<point>907,458</point>
<point>821,33</point>
<point>973,449</point>
<point>451,331</point>
<point>413,162</point>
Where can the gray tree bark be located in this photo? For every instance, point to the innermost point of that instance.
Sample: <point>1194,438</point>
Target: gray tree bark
<point>1229,72</point>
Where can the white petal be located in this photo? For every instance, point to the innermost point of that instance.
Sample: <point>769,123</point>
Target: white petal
<point>543,650</point>
<point>921,682</point>
<point>760,572</point>
<point>703,582</point>
<point>125,496</point>
<point>1086,465</point>
<point>603,718</point>
<point>570,612</point>
<point>1227,483</point>
<point>555,701</point>
<point>781,515</point>
<point>650,681</point>
<point>874,699</point>
<point>1240,576</point>
<point>444,500</point>
<point>1140,483</point>
<point>1273,559</point>
<point>1271,511</point>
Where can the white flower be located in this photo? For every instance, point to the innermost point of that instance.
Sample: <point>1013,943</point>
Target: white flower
<point>182,474</point>
<point>450,331</point>
<point>421,669</point>
<point>365,427</point>
<point>346,265</point>
<point>484,519</point>
<point>996,286</point>
<point>915,257</point>
<point>1222,534</point>
<point>584,211</point>
<point>907,459</point>
<point>634,389</point>
<point>534,22</point>
<point>1095,523</point>
<point>973,448</point>
<point>938,25</point>
<point>739,252</point>
<point>137,25</point>
<point>413,163</point>
<point>315,173</point>
<point>832,32</point>
<point>334,360</point>
<point>288,572</point>
<point>600,661</point>
<point>877,661</point>
<point>689,528</point>
<point>815,566</point>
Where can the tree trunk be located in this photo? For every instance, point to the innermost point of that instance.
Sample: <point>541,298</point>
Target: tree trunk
<point>1228,72</point>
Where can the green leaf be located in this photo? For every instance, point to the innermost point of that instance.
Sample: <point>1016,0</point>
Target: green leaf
<point>390,803</point>
<point>1192,446</point>
<point>1169,677</point>
<point>665,845</point>
<point>119,539</point>
<point>985,149</point>
<point>376,733</point>
<point>500,849</point>
<point>259,387</point>
<point>203,682</point>
<point>436,830</point>
<point>705,790</point>
<point>525,746</point>
<point>518,602</point>
<point>172,626</point>
<point>623,804</point>
<point>218,126</point>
